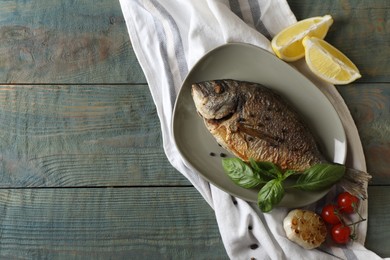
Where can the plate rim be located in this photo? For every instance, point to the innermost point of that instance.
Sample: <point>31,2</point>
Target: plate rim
<point>264,52</point>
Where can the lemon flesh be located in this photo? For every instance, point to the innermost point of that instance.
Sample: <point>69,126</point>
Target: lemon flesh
<point>287,44</point>
<point>328,63</point>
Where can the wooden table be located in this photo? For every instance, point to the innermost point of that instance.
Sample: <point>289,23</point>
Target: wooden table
<point>82,169</point>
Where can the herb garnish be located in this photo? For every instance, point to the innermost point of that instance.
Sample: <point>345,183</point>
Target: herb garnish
<point>270,177</point>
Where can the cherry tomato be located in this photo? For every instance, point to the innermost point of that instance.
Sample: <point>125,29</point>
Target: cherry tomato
<point>347,202</point>
<point>341,233</point>
<point>330,214</point>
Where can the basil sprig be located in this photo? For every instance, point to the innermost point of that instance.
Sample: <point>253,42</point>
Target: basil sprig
<point>320,176</point>
<point>241,173</point>
<point>270,177</point>
<point>270,195</point>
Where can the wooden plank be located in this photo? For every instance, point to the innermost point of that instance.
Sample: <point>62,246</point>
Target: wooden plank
<point>95,223</point>
<point>147,223</point>
<point>378,232</point>
<point>100,129</point>
<point>370,107</point>
<point>67,136</point>
<point>63,41</point>
<point>355,21</point>
<point>110,134</point>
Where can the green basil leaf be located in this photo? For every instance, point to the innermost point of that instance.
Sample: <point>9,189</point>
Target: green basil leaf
<point>254,165</point>
<point>320,176</point>
<point>270,195</point>
<point>241,173</point>
<point>266,169</point>
<point>288,173</point>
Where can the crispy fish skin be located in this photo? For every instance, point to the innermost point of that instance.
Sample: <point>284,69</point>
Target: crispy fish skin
<point>251,121</point>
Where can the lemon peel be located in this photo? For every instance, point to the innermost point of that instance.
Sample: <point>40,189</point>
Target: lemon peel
<point>329,63</point>
<point>287,44</point>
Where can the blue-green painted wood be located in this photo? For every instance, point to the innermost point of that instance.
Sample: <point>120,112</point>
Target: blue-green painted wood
<point>130,223</point>
<point>52,134</point>
<point>82,135</point>
<point>59,136</point>
<point>62,41</point>
<point>378,228</point>
<point>108,223</point>
<point>370,108</point>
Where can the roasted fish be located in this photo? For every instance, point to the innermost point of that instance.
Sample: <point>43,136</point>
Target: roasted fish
<point>251,121</point>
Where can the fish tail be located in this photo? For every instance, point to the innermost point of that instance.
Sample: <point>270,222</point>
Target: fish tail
<point>355,182</point>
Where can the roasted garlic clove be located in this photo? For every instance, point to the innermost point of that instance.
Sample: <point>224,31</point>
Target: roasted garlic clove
<point>305,228</point>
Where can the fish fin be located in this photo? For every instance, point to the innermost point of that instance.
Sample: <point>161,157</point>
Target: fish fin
<point>355,182</point>
<point>272,139</point>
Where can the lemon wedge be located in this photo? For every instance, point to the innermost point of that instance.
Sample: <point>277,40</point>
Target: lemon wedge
<point>287,44</point>
<point>328,63</point>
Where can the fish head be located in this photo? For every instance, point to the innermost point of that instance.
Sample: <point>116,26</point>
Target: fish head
<point>215,99</point>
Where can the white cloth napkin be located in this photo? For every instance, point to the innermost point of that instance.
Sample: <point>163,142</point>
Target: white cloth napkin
<point>169,37</point>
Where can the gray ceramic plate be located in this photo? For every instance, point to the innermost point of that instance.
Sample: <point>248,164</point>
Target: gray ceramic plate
<point>247,62</point>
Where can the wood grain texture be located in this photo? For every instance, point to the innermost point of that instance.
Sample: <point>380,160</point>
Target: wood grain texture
<point>63,41</point>
<point>65,144</point>
<point>135,223</point>
<point>370,107</point>
<point>85,135</point>
<point>378,230</point>
<point>108,223</point>
<point>361,30</point>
